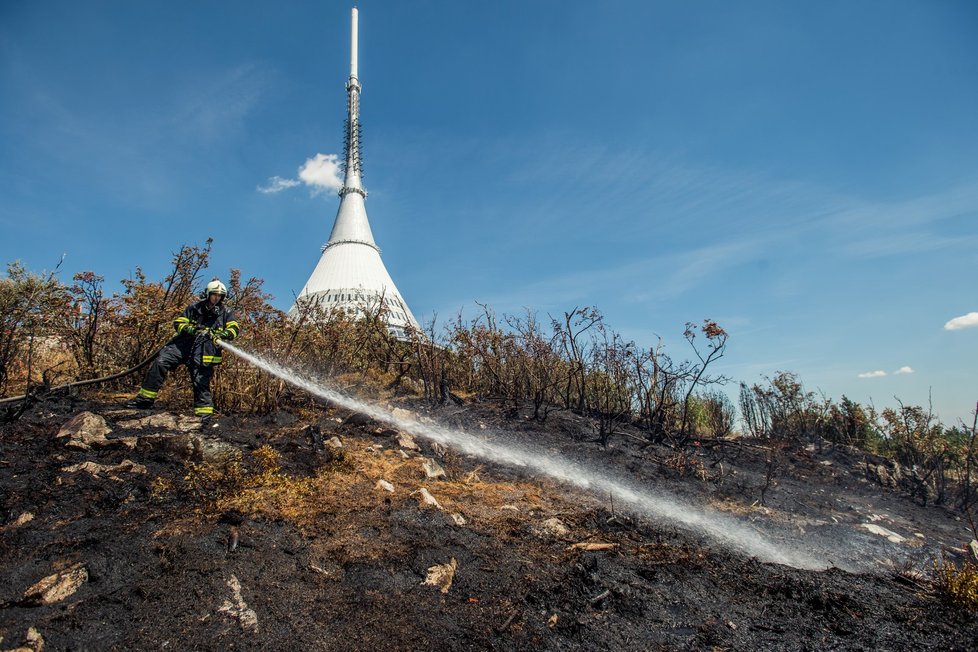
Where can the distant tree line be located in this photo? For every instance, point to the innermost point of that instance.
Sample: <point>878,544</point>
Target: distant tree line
<point>53,332</point>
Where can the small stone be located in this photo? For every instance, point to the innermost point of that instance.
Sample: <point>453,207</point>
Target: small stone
<point>891,536</point>
<point>553,527</point>
<point>405,440</point>
<point>35,642</point>
<point>385,485</point>
<point>459,519</point>
<point>334,442</point>
<point>84,430</point>
<point>57,587</point>
<point>973,549</point>
<point>23,519</point>
<point>441,575</point>
<point>432,470</point>
<point>428,499</point>
<point>238,609</point>
<point>110,471</point>
<point>163,421</point>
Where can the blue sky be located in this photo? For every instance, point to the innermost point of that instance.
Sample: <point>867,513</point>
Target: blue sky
<point>806,174</point>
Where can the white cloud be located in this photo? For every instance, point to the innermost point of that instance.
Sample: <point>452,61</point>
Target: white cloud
<point>322,172</point>
<point>873,374</point>
<point>277,184</point>
<point>964,321</point>
<point>903,370</point>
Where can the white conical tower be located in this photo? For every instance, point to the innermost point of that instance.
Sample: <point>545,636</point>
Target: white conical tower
<point>350,275</point>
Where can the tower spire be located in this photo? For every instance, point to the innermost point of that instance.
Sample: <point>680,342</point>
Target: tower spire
<point>350,276</point>
<point>352,181</point>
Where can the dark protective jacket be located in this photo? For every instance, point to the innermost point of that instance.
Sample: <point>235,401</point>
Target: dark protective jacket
<point>199,316</point>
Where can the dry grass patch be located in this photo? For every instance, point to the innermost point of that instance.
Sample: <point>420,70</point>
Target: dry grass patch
<point>956,585</point>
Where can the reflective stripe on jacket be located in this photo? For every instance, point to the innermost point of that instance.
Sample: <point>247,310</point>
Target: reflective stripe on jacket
<point>200,316</point>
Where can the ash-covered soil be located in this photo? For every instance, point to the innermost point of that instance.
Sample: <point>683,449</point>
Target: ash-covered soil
<point>145,533</point>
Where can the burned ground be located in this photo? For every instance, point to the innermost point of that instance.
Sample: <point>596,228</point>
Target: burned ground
<point>182,546</point>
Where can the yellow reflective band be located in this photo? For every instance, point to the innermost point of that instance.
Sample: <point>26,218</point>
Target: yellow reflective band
<point>147,393</point>
<point>203,410</point>
<point>232,324</point>
<point>214,359</point>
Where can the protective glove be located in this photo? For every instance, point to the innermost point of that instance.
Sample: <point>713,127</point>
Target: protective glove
<point>220,334</point>
<point>190,329</point>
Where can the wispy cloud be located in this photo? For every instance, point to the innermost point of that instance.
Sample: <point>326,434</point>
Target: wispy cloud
<point>277,184</point>
<point>964,321</point>
<point>142,145</point>
<point>216,105</point>
<point>657,196</point>
<point>675,274</point>
<point>320,173</point>
<point>879,373</point>
<point>898,244</point>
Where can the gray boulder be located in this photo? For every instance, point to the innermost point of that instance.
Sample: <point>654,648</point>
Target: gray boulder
<point>84,430</point>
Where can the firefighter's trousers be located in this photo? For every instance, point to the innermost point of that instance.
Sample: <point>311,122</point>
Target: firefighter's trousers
<point>181,351</point>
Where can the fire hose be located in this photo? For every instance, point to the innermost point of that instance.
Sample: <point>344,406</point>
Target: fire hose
<point>206,332</point>
<point>83,383</point>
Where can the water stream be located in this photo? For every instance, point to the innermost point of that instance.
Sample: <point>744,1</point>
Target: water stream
<point>721,528</point>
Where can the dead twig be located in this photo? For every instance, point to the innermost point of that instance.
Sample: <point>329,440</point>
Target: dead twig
<point>509,621</point>
<point>599,597</point>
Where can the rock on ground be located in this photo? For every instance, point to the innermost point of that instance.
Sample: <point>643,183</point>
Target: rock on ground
<point>56,587</point>
<point>111,471</point>
<point>84,430</point>
<point>441,575</point>
<point>432,469</point>
<point>238,609</point>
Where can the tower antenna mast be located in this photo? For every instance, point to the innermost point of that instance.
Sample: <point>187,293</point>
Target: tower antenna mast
<point>352,181</point>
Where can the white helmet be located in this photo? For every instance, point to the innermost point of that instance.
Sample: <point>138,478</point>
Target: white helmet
<point>215,287</point>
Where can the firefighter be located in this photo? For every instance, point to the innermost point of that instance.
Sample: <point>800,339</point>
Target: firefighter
<point>199,329</point>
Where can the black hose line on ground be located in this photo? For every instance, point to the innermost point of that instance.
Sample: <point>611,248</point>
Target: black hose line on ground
<point>82,383</point>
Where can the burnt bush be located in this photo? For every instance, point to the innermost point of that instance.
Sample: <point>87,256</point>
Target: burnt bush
<point>52,332</point>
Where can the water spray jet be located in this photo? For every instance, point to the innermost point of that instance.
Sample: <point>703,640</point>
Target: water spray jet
<point>723,529</point>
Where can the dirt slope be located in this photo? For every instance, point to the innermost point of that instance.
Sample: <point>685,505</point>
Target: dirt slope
<point>301,548</point>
